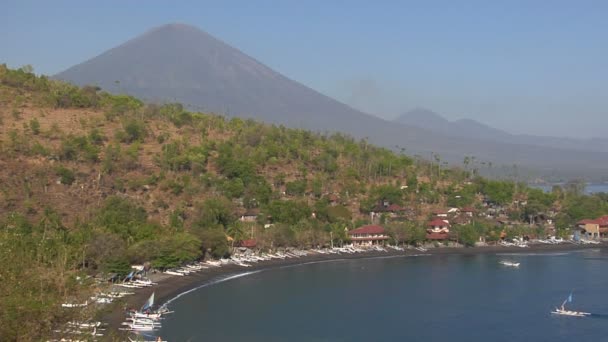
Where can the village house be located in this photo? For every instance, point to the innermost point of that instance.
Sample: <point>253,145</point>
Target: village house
<point>438,230</point>
<point>393,211</point>
<point>250,215</point>
<point>453,211</point>
<point>468,211</point>
<point>251,243</point>
<point>368,235</point>
<point>592,229</point>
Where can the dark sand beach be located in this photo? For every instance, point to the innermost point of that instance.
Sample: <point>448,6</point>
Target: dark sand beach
<point>170,286</point>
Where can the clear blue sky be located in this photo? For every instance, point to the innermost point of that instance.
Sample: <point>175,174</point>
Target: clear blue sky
<point>537,67</point>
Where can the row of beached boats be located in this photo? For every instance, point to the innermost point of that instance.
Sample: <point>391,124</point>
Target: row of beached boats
<point>146,320</point>
<point>348,250</point>
<point>89,330</point>
<point>80,331</point>
<point>557,241</point>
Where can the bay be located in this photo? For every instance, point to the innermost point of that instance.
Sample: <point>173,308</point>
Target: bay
<point>423,298</point>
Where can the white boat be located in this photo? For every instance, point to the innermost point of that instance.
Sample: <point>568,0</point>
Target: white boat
<point>130,286</point>
<point>562,310</point>
<point>138,340</point>
<point>102,300</point>
<point>144,282</point>
<point>75,305</point>
<point>85,324</point>
<point>141,315</point>
<point>140,327</point>
<point>509,263</point>
<point>142,323</point>
<point>116,294</point>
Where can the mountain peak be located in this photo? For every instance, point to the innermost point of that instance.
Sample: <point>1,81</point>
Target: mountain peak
<point>422,117</point>
<point>176,28</point>
<point>181,63</point>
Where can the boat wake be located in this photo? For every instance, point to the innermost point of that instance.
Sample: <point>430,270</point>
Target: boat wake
<point>534,254</point>
<point>599,316</point>
<point>212,282</point>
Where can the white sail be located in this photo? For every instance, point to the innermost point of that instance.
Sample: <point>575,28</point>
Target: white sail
<point>148,303</point>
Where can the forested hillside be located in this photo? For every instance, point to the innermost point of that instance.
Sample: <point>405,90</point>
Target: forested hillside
<point>91,183</point>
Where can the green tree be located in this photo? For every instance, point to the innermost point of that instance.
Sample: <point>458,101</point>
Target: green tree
<point>215,211</point>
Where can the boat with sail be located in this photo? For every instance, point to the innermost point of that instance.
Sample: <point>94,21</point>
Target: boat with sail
<point>564,312</point>
<point>146,318</point>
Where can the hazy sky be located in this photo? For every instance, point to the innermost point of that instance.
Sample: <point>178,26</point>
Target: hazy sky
<point>538,67</point>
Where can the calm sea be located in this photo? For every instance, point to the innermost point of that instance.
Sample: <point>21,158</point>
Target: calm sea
<point>589,189</point>
<point>424,298</point>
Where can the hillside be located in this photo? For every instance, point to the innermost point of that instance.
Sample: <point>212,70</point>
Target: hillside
<point>180,63</point>
<point>91,183</point>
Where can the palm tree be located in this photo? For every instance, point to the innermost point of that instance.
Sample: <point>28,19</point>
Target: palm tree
<point>236,232</point>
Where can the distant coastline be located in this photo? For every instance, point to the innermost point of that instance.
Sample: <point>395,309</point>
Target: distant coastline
<point>170,287</point>
<point>590,188</point>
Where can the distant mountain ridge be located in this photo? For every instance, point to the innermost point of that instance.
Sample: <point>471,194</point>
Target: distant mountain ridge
<point>180,63</point>
<point>468,128</point>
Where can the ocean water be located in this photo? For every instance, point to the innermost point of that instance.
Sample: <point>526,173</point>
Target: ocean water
<point>591,188</point>
<point>423,298</point>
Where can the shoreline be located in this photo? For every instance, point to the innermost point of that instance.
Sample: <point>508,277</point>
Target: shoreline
<point>169,287</point>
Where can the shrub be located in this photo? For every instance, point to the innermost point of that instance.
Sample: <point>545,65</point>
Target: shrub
<point>296,188</point>
<point>38,149</point>
<point>134,130</point>
<point>67,175</point>
<point>35,126</point>
<point>78,148</point>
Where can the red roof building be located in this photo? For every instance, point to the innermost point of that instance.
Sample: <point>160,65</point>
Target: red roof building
<point>394,208</point>
<point>439,224</point>
<point>468,211</point>
<point>368,235</point>
<point>251,243</point>
<point>597,228</point>
<point>439,229</point>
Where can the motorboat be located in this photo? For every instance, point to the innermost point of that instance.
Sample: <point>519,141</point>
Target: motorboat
<point>509,263</point>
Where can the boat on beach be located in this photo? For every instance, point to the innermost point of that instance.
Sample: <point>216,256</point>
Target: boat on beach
<point>143,340</point>
<point>75,305</point>
<point>564,312</point>
<point>145,319</point>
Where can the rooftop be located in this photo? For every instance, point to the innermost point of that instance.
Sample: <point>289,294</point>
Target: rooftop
<point>370,229</point>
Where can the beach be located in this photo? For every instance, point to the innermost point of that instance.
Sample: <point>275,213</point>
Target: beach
<point>169,287</point>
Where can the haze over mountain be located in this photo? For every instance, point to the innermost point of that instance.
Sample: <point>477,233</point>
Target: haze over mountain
<point>427,119</point>
<point>180,63</point>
